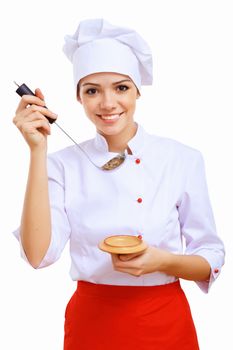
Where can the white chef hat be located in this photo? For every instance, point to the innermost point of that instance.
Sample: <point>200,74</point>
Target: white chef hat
<point>98,46</point>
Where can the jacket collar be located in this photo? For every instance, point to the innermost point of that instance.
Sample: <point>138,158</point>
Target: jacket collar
<point>97,148</point>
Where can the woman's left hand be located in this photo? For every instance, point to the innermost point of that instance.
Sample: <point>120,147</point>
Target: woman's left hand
<point>150,260</point>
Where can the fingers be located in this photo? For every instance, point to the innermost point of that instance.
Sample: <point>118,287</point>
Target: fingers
<point>38,126</point>
<point>31,119</point>
<point>39,94</point>
<point>127,257</point>
<point>131,267</point>
<point>29,100</point>
<point>31,122</point>
<point>124,258</point>
<point>30,104</point>
<point>32,125</point>
<point>32,112</point>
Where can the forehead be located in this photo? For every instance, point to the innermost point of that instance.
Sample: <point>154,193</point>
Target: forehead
<point>104,78</point>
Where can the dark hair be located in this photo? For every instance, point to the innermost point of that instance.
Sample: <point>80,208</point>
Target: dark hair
<point>77,91</point>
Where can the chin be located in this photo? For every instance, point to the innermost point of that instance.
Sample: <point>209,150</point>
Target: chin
<point>110,130</point>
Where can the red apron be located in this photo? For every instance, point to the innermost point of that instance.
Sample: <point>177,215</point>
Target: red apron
<point>106,317</point>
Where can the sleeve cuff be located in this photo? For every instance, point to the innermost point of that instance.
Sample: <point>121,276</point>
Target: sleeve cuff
<point>206,285</point>
<point>216,264</point>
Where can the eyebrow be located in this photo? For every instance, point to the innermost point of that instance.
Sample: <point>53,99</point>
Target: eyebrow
<point>117,82</point>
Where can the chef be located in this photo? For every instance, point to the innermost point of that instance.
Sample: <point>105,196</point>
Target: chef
<point>124,181</point>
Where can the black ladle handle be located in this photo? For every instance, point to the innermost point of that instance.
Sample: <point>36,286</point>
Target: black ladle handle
<point>24,90</point>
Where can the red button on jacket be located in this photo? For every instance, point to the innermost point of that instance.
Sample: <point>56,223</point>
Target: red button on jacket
<point>139,200</point>
<point>137,161</point>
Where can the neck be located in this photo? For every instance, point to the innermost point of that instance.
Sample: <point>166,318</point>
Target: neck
<point>119,143</point>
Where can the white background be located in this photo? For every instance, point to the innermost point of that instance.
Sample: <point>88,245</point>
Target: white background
<point>191,101</point>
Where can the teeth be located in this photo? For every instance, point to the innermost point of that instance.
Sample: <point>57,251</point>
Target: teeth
<point>110,117</point>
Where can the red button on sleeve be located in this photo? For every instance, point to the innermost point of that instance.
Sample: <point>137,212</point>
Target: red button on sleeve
<point>216,270</point>
<point>139,200</point>
<point>137,161</point>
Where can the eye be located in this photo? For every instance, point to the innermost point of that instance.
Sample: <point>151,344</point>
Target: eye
<point>122,88</point>
<point>91,91</point>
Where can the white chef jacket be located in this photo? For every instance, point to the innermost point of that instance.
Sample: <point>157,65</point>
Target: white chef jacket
<point>159,192</point>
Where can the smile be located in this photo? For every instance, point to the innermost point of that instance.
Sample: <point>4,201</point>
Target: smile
<point>112,117</point>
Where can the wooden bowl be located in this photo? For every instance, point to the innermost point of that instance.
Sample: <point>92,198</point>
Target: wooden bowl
<point>122,244</point>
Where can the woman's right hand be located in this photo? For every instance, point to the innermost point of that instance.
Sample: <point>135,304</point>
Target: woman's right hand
<point>30,119</point>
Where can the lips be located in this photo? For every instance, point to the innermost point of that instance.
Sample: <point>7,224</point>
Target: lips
<point>110,117</point>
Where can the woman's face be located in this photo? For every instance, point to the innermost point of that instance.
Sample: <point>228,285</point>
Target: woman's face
<point>109,101</point>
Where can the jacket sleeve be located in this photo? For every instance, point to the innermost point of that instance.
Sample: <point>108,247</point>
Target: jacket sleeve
<point>197,222</point>
<point>59,220</point>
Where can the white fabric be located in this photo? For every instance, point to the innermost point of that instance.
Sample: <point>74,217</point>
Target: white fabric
<point>98,46</point>
<point>89,204</point>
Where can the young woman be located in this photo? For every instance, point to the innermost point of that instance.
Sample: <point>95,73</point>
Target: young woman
<point>123,182</point>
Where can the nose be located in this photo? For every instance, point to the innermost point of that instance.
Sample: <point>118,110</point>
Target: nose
<point>108,101</point>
